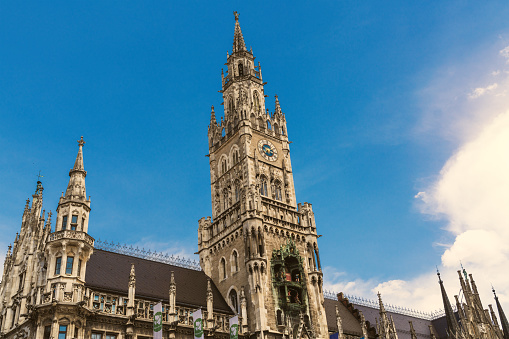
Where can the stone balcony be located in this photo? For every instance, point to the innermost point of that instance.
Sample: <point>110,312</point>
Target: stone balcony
<point>71,235</point>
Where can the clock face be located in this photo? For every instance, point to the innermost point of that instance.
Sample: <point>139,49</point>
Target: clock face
<point>267,150</point>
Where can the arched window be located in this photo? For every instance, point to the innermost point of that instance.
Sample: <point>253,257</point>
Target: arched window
<point>225,199</point>
<point>279,317</point>
<point>235,157</point>
<point>234,303</point>
<point>277,194</point>
<point>230,105</point>
<point>237,194</point>
<point>241,69</point>
<point>263,187</point>
<point>235,262</point>
<point>224,167</point>
<point>222,269</point>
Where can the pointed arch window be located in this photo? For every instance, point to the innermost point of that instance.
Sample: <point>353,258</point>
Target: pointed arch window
<point>234,303</point>
<point>230,105</point>
<point>222,268</point>
<point>224,167</point>
<point>235,157</point>
<point>225,199</point>
<point>241,69</point>
<point>263,187</point>
<point>278,194</point>
<point>235,262</point>
<point>237,194</point>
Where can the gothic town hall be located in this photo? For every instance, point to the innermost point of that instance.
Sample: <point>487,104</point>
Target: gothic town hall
<point>258,252</point>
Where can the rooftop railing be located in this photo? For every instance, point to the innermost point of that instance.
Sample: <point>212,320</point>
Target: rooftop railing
<point>388,307</point>
<point>147,254</point>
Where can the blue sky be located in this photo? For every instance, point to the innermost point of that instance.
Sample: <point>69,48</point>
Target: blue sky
<point>376,96</point>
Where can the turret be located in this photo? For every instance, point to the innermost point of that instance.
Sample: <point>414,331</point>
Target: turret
<point>68,248</point>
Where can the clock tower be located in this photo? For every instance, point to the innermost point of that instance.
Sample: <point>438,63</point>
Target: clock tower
<point>260,246</point>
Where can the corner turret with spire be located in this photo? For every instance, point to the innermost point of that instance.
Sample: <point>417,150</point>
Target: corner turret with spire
<point>69,248</point>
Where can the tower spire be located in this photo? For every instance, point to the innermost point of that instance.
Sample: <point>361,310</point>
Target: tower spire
<point>78,164</point>
<point>452,325</point>
<point>213,120</point>
<point>238,40</point>
<point>501,314</point>
<point>76,188</point>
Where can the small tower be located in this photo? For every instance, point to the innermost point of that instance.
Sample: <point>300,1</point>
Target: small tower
<point>69,248</point>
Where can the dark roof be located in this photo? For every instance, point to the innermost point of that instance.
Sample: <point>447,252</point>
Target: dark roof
<point>108,271</point>
<point>350,324</point>
<point>440,325</point>
<point>400,320</point>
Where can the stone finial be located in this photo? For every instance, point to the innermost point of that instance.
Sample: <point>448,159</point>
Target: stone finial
<point>432,332</point>
<point>81,142</point>
<point>209,290</point>
<point>132,276</point>
<point>339,323</point>
<point>238,40</point>
<point>172,294</point>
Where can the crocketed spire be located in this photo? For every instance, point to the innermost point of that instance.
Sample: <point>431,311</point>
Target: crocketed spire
<point>78,164</point>
<point>76,187</point>
<point>503,319</point>
<point>452,324</point>
<point>238,39</point>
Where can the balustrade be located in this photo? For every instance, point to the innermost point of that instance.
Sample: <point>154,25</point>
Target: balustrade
<point>144,310</point>
<point>70,234</point>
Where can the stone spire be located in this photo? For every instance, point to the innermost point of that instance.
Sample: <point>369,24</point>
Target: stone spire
<point>238,39</point>
<point>363,326</point>
<point>339,323</point>
<point>503,319</point>
<point>243,309</point>
<point>213,121</point>
<point>210,306</point>
<point>452,324</point>
<point>131,292</point>
<point>278,108</point>
<point>384,320</point>
<point>432,332</point>
<point>172,295</point>
<point>76,188</point>
<point>412,331</point>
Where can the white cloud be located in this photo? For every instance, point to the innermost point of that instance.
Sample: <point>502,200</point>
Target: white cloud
<point>505,52</point>
<point>480,91</point>
<point>471,192</point>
